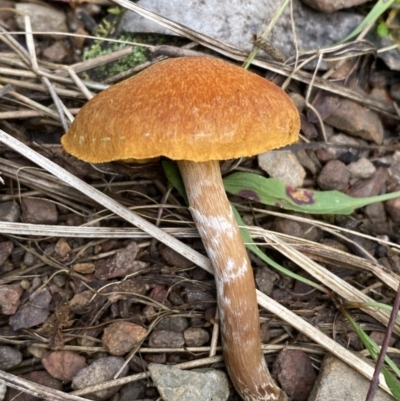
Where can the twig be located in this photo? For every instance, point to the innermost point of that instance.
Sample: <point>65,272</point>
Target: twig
<point>382,354</point>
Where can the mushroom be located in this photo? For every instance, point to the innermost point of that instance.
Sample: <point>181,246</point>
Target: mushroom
<point>199,110</point>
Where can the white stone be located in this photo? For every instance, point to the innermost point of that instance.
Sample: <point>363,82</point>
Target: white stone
<point>338,381</point>
<point>284,166</point>
<point>183,385</point>
<point>362,168</point>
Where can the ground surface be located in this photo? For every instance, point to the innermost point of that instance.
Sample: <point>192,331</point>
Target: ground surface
<point>76,300</point>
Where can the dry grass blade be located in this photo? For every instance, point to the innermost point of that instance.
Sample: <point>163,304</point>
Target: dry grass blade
<point>29,58</point>
<point>35,105</point>
<point>329,279</point>
<point>328,254</point>
<point>189,253</point>
<point>29,74</point>
<point>88,232</point>
<point>42,182</point>
<point>37,390</point>
<point>40,88</point>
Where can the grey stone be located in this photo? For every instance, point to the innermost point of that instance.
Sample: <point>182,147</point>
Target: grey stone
<point>376,213</point>
<point>132,391</point>
<point>174,258</point>
<point>235,22</point>
<point>195,337</point>
<point>392,57</point>
<point>173,323</point>
<point>343,139</point>
<point>265,279</point>
<point>298,100</point>
<point>298,229</point>
<point>334,176</point>
<point>198,299</point>
<point>166,339</point>
<point>120,264</point>
<point>101,370</point>
<point>181,385</point>
<point>308,160</point>
<point>43,19</point>
<point>284,166</point>
<point>9,357</point>
<point>32,313</point>
<point>308,129</point>
<point>373,186</point>
<point>9,211</point>
<point>357,120</point>
<point>38,211</point>
<point>338,381</point>
<point>362,168</point>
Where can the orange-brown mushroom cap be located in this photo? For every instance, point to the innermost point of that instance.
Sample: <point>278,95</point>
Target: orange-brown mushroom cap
<point>189,108</point>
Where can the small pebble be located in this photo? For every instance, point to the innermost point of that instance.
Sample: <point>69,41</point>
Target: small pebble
<point>173,323</point>
<point>195,336</point>
<point>294,372</point>
<point>9,211</point>
<point>64,365</point>
<point>166,339</point>
<point>101,370</point>
<point>362,168</point>
<point>38,211</point>
<point>183,385</point>
<point>284,166</point>
<point>10,295</point>
<point>9,357</point>
<point>334,176</point>
<point>120,337</point>
<point>32,313</point>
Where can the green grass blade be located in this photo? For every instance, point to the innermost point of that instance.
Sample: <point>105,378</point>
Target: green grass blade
<point>373,349</point>
<point>392,383</point>
<point>257,251</point>
<point>380,305</point>
<point>272,192</point>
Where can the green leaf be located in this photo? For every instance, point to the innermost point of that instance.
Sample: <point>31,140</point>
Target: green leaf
<point>173,174</point>
<point>275,193</point>
<point>382,30</point>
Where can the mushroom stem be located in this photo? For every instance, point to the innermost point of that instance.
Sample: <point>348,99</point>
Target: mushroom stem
<point>236,293</point>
